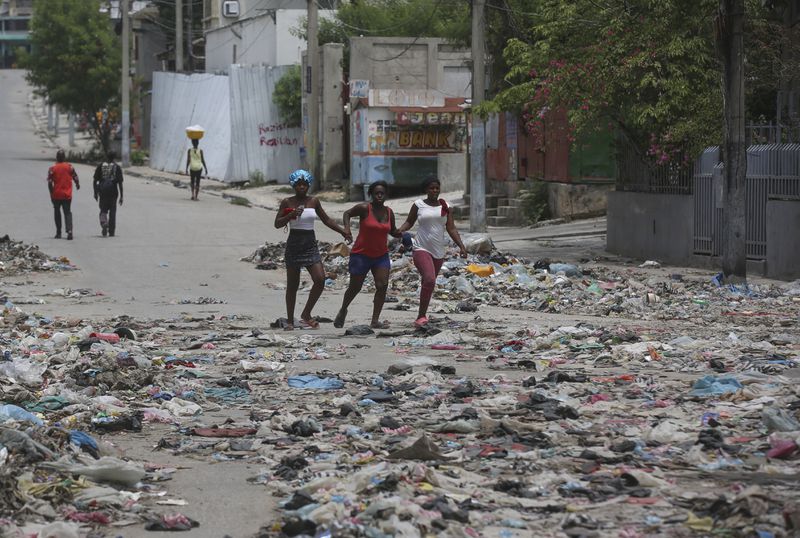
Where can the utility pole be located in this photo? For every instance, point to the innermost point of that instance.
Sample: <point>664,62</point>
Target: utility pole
<point>126,88</point>
<point>730,47</point>
<point>71,118</point>
<point>179,36</point>
<point>190,13</point>
<point>477,154</point>
<point>312,78</point>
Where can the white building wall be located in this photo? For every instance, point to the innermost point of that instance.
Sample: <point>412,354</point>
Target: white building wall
<point>263,41</point>
<point>258,42</point>
<point>220,46</point>
<point>288,46</point>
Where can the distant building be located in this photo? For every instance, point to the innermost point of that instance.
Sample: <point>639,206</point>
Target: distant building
<point>254,32</point>
<point>15,19</point>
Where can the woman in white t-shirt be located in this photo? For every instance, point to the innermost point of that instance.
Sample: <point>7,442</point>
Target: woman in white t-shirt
<point>430,245</point>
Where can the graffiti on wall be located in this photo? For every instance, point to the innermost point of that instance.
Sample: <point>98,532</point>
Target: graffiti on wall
<point>276,134</point>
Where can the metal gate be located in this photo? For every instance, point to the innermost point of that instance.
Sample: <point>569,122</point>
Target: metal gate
<point>773,172</point>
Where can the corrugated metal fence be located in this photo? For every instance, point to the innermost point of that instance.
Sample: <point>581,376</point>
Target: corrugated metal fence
<point>773,172</point>
<point>260,140</point>
<point>243,132</point>
<point>183,100</point>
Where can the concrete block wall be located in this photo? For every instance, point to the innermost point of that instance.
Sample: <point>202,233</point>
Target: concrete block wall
<point>651,226</point>
<point>783,239</point>
<point>572,200</point>
<point>452,171</point>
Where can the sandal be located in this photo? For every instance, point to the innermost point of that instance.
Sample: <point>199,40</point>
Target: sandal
<point>288,327</point>
<point>421,323</point>
<point>309,324</point>
<point>379,324</point>
<point>340,317</point>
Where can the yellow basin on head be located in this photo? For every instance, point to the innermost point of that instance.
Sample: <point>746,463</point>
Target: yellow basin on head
<point>195,132</point>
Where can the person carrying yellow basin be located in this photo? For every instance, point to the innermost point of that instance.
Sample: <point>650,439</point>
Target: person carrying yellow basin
<point>195,160</point>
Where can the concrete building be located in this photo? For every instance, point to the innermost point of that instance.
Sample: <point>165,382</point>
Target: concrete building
<point>149,41</point>
<point>15,18</point>
<point>253,32</point>
<point>407,111</point>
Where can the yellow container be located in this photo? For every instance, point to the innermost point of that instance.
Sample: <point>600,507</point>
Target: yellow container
<point>480,270</point>
<point>195,132</point>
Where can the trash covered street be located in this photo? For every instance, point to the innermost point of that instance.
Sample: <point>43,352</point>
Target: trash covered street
<point>544,399</point>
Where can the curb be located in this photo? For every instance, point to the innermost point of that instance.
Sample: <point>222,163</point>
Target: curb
<point>554,236</point>
<point>180,184</point>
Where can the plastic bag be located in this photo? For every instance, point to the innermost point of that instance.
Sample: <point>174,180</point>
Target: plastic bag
<point>24,371</point>
<point>477,243</point>
<point>13,412</point>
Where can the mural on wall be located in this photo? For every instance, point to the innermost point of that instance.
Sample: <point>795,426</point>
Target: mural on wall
<point>403,146</point>
<point>438,132</point>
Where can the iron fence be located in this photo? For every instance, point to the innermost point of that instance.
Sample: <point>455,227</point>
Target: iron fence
<point>773,173</point>
<point>640,174</point>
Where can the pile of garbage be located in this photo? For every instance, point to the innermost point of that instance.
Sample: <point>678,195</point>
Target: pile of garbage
<point>16,258</point>
<point>583,430</point>
<point>672,416</point>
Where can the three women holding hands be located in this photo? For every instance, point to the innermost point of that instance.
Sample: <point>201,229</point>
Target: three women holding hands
<point>370,252</point>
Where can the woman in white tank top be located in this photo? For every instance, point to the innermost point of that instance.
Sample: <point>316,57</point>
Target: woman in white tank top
<point>430,244</point>
<point>300,212</point>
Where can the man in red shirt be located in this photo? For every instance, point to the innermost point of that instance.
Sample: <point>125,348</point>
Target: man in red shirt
<point>59,181</point>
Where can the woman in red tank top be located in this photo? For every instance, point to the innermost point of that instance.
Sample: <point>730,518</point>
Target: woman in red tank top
<point>370,252</point>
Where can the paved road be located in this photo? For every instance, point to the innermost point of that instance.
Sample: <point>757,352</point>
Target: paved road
<point>167,247</point>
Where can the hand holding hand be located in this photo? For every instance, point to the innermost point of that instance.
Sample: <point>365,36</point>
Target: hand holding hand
<point>348,236</point>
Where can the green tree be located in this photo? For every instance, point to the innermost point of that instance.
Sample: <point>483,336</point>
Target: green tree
<point>646,67</point>
<point>287,97</point>
<point>75,60</point>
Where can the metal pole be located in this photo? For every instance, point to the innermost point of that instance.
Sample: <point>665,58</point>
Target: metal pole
<point>56,114</point>
<point>126,89</point>
<point>71,129</point>
<point>179,36</point>
<point>190,13</point>
<point>477,191</point>
<point>313,98</point>
<point>50,117</point>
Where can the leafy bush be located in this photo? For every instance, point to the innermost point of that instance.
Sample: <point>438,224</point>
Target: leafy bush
<point>534,202</point>
<point>287,97</point>
<point>256,179</point>
<point>139,157</point>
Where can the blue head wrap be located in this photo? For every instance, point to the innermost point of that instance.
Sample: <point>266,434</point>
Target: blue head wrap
<point>301,175</point>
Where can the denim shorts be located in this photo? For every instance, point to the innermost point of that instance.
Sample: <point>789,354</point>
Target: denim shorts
<point>361,265</point>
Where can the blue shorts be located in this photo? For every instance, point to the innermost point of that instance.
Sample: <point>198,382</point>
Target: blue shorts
<point>361,265</point>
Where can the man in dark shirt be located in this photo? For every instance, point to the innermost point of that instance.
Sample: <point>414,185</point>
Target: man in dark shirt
<point>107,189</point>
